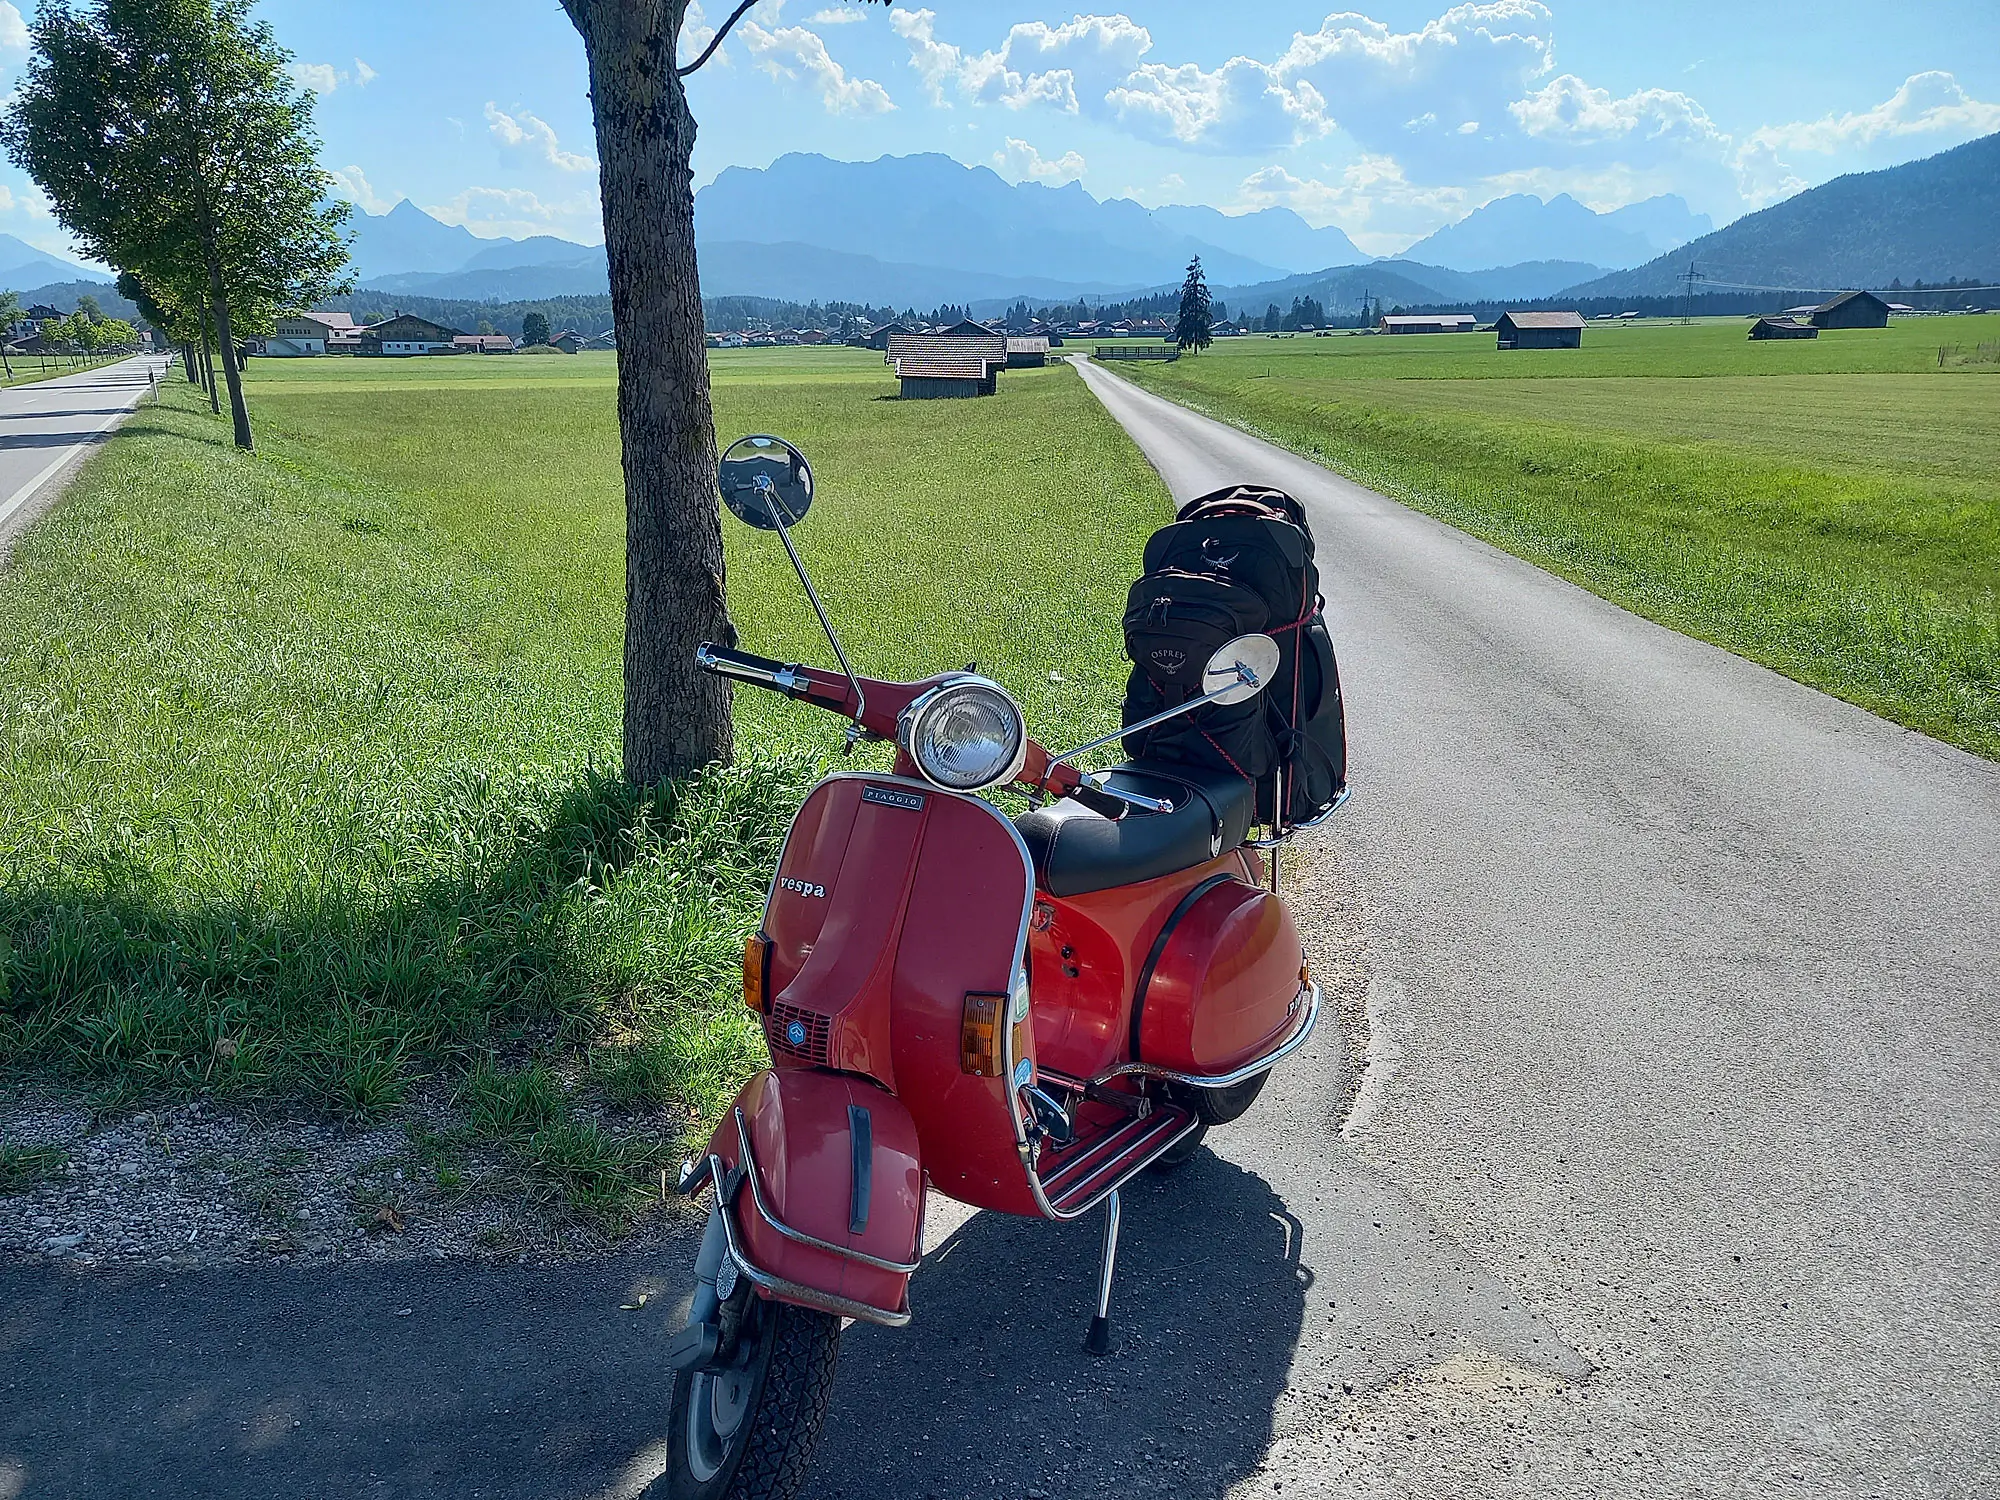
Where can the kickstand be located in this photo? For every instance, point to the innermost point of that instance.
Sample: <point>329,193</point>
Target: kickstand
<point>1099,1340</point>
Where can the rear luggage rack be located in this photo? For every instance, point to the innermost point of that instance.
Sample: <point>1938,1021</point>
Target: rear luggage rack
<point>1075,1179</point>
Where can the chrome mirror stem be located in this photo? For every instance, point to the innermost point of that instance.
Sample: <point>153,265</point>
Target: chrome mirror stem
<point>777,510</point>
<point>1244,676</point>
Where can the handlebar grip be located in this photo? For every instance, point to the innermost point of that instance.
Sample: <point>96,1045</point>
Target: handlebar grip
<point>1101,803</point>
<point>743,666</point>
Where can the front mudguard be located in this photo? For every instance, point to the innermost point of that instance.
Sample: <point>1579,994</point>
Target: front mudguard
<point>828,1203</point>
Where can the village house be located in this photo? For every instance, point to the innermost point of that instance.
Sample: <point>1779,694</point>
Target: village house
<point>483,343</point>
<point>308,333</point>
<point>406,334</point>
<point>1539,330</point>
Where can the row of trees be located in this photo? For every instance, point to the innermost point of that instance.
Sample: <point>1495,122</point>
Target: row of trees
<point>174,144</point>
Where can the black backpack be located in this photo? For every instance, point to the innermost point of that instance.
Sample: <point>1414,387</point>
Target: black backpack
<point>1235,561</point>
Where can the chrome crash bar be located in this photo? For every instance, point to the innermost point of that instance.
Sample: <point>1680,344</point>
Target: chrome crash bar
<point>1263,1064</point>
<point>1274,840</point>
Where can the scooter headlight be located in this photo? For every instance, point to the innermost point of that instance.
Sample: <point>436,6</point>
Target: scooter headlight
<point>966,735</point>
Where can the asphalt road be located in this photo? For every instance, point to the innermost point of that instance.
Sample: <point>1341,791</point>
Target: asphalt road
<point>1672,1174</point>
<point>48,427</point>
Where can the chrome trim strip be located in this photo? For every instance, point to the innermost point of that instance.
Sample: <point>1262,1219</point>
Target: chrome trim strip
<point>1306,827</point>
<point>791,1291</point>
<point>1263,1064</point>
<point>797,1236</point>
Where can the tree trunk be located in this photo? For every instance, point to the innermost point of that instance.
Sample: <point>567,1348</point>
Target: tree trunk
<point>676,718</point>
<point>208,367</point>
<point>239,414</point>
<point>188,365</point>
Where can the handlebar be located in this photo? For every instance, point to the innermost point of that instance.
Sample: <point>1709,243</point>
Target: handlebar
<point>763,671</point>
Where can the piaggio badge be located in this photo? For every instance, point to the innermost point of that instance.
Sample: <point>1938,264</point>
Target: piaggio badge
<point>886,796</point>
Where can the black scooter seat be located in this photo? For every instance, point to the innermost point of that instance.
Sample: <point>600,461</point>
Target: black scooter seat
<point>1076,850</point>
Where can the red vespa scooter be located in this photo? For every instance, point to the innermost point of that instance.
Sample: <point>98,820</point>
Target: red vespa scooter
<point>1020,1013</point>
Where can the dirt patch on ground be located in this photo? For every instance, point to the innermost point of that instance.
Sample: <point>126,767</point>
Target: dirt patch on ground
<point>196,1183</point>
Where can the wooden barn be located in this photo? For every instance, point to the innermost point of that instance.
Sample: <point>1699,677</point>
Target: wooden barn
<point>1782,328</point>
<point>930,365</point>
<point>1852,310</point>
<point>406,334</point>
<point>878,338</point>
<point>1027,353</point>
<point>1539,330</point>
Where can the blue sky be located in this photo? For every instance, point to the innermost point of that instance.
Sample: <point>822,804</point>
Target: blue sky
<point>1388,121</point>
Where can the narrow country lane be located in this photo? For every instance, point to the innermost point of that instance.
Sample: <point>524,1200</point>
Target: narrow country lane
<point>45,428</point>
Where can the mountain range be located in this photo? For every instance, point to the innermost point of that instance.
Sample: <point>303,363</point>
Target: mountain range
<point>1520,228</point>
<point>22,265</point>
<point>1931,219</point>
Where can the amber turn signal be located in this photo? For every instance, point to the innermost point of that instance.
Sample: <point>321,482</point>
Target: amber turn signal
<point>757,973</point>
<point>979,1037</point>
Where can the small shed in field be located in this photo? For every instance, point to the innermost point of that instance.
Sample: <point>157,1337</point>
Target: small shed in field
<point>1027,353</point>
<point>930,365</point>
<point>965,328</point>
<point>878,338</point>
<point>1852,310</point>
<point>1782,328</point>
<point>1539,330</point>
<point>1427,323</point>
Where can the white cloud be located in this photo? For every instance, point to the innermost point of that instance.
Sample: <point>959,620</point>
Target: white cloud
<point>6,199</point>
<point>1036,64</point>
<point>837,15</point>
<point>13,30</point>
<point>352,184</point>
<point>491,211</point>
<point>695,34</point>
<point>792,51</point>
<point>1023,163</point>
<point>1926,104</point>
<point>537,135</point>
<point>1569,109</point>
<point>1354,73</point>
<point>321,78</point>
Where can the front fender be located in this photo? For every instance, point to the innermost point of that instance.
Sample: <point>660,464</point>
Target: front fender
<point>834,1159</point>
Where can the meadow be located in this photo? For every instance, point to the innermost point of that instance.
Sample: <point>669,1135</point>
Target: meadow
<point>1825,507</point>
<point>310,783</point>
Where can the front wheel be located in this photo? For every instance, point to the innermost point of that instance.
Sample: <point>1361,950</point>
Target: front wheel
<point>748,1432</point>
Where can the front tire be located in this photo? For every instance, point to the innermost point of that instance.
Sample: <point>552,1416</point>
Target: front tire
<point>749,1433</point>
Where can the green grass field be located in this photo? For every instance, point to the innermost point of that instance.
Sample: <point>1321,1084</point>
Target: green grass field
<point>1826,507</point>
<point>309,785</point>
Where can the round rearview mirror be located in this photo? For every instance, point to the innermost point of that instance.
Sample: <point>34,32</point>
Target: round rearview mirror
<point>765,481</point>
<point>1241,669</point>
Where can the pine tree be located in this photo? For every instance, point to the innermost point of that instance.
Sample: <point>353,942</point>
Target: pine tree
<point>1192,331</point>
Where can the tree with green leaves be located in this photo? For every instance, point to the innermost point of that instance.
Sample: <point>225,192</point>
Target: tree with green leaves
<point>535,328</point>
<point>676,717</point>
<point>173,142</point>
<point>90,308</point>
<point>10,314</point>
<point>1191,330</point>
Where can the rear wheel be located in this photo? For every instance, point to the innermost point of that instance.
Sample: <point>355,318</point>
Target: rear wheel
<point>748,1432</point>
<point>1179,1152</point>
<point>1220,1106</point>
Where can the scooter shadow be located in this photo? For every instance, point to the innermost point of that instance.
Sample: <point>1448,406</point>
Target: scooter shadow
<point>987,1391</point>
